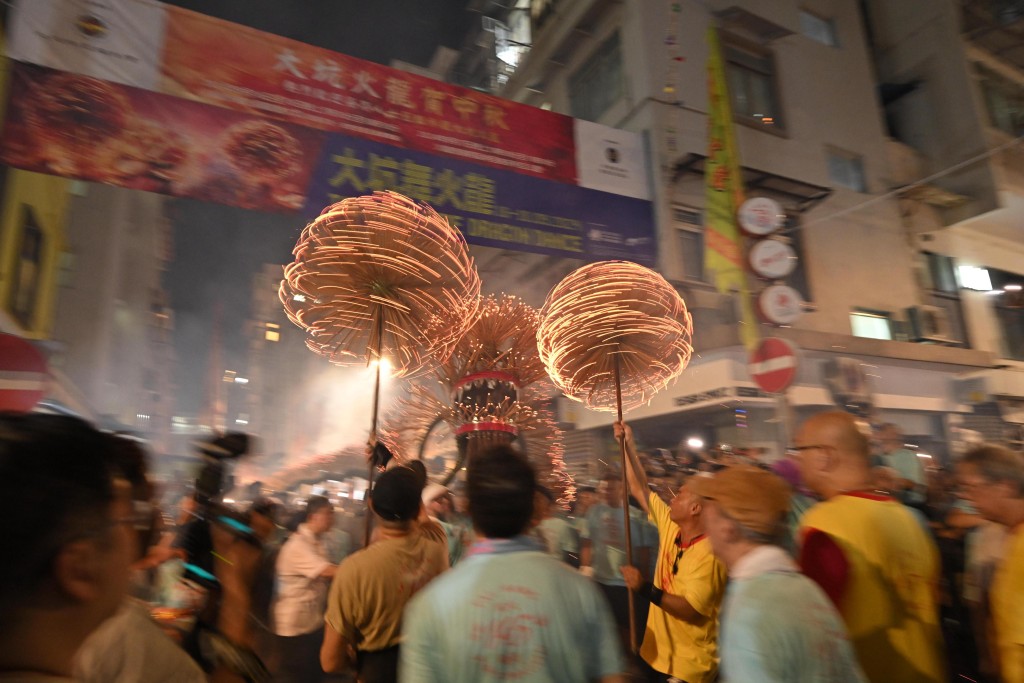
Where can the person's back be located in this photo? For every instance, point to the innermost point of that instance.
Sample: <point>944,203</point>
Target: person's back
<point>871,555</point>
<point>889,604</point>
<point>508,611</point>
<point>373,585</point>
<point>786,617</point>
<point>521,615</point>
<point>128,648</point>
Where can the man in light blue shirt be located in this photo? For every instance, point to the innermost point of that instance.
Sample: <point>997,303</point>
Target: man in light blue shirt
<point>603,552</point>
<point>777,625</point>
<point>911,483</point>
<point>508,611</point>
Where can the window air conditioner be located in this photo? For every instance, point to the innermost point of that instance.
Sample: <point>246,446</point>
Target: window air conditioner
<point>928,324</point>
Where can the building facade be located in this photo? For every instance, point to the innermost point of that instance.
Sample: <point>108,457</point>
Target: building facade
<point>854,117</point>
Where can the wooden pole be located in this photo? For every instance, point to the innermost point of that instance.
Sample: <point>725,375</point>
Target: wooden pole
<point>625,506</point>
<point>373,426</point>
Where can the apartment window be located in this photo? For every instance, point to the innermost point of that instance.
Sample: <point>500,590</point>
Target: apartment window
<point>689,223</point>
<point>942,291</point>
<point>818,28</point>
<point>598,84</point>
<point>752,86</point>
<point>871,324</point>
<point>846,170</point>
<point>1004,101</point>
<point>1009,309</point>
<point>941,274</point>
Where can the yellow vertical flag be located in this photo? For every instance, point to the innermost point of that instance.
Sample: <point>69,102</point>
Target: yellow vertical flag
<point>723,184</point>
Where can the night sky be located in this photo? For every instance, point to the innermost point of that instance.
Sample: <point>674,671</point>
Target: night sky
<point>218,248</point>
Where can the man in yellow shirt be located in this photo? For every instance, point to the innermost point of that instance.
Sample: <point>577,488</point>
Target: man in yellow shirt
<point>992,480</point>
<point>681,639</point>
<point>870,554</point>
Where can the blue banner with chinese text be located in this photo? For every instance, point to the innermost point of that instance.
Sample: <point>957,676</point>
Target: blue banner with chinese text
<point>491,207</point>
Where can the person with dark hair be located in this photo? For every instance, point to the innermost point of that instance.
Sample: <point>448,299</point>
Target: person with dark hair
<point>303,574</point>
<point>871,554</point>
<point>746,511</point>
<point>508,611</point>
<point>373,585</point>
<point>130,647</point>
<point>420,470</point>
<point>992,480</point>
<point>68,541</point>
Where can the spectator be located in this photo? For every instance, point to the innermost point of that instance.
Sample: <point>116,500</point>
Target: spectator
<point>910,482</point>
<point>303,574</point>
<point>746,510</point>
<point>508,611</point>
<point>603,551</point>
<point>681,640</point>
<point>437,505</point>
<point>871,555</point>
<point>68,540</point>
<point>992,479</point>
<point>373,585</point>
<point>554,530</point>
<point>129,647</point>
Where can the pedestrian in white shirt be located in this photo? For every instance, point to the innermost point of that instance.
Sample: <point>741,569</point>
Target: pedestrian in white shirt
<point>304,573</point>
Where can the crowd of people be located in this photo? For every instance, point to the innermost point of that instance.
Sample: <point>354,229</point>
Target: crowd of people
<point>844,561</point>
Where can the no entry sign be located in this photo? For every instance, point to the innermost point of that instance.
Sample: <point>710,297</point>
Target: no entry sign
<point>23,375</point>
<point>773,365</point>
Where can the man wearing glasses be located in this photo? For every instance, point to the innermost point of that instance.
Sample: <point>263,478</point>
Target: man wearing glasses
<point>68,539</point>
<point>680,642</point>
<point>870,554</point>
<point>992,480</point>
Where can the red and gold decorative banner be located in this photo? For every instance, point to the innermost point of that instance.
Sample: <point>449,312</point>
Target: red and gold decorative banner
<point>81,127</point>
<point>723,184</point>
<point>237,67</point>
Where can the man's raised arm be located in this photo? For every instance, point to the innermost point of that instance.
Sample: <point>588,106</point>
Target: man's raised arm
<point>635,475</point>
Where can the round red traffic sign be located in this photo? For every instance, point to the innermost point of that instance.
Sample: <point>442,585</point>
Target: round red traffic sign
<point>773,365</point>
<point>23,375</point>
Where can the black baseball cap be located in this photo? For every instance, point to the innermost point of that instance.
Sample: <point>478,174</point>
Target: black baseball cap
<point>396,495</point>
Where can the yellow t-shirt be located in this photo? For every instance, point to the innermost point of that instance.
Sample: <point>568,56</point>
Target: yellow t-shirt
<point>890,601</point>
<point>372,586</point>
<point>1007,601</point>
<point>673,646</point>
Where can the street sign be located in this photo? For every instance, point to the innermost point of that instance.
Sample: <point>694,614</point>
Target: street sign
<point>773,365</point>
<point>772,259</point>
<point>780,304</point>
<point>760,216</point>
<point>23,375</point>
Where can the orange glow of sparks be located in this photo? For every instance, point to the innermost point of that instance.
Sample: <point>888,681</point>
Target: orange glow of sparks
<point>493,378</point>
<point>609,310</point>
<point>382,269</point>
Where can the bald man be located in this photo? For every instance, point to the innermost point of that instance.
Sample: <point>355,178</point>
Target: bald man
<point>870,554</point>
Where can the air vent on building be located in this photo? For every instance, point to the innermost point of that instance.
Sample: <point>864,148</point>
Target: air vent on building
<point>736,18</point>
<point>928,324</point>
<point>686,215</point>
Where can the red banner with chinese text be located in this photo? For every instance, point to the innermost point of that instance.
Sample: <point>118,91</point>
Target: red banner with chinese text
<point>240,68</point>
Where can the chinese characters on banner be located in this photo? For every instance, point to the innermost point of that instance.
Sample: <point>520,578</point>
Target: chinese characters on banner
<point>723,184</point>
<point>188,105</point>
<point>491,207</point>
<point>241,68</point>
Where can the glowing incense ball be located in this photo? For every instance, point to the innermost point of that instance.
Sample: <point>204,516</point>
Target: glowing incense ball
<point>381,270</point>
<point>614,310</point>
